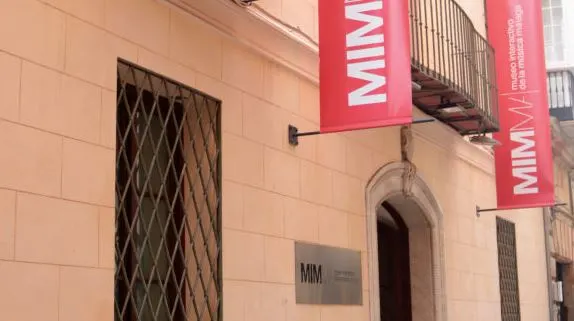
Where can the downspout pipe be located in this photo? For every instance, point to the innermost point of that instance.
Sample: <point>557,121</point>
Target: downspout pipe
<point>547,214</point>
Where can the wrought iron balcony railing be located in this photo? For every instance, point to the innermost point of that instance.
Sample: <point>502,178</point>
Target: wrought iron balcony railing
<point>454,64</point>
<point>561,94</point>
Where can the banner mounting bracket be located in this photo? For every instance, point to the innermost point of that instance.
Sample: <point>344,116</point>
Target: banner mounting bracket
<point>480,210</point>
<point>294,133</point>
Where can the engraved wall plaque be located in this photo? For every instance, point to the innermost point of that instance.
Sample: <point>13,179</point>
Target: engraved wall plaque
<point>327,275</point>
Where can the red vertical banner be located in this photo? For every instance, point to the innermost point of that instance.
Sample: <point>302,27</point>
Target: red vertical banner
<point>364,53</point>
<point>524,163</point>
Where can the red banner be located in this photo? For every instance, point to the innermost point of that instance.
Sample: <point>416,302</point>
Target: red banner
<point>365,74</point>
<point>524,165</point>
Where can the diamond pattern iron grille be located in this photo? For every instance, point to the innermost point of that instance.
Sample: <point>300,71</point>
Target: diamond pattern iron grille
<point>508,271</point>
<point>168,200</point>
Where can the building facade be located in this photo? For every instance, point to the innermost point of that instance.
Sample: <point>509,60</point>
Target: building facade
<point>561,221</point>
<point>147,172</point>
<point>557,17</point>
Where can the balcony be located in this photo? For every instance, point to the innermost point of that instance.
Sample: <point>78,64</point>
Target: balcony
<point>561,94</point>
<point>454,65</point>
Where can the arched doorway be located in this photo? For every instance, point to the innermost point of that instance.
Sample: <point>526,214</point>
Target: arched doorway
<point>405,247</point>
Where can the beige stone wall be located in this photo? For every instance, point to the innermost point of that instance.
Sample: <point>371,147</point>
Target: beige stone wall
<point>562,224</point>
<point>301,14</point>
<point>471,251</point>
<point>57,118</point>
<point>475,11</point>
<point>561,187</point>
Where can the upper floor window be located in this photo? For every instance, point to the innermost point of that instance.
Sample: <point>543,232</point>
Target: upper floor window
<point>552,12</point>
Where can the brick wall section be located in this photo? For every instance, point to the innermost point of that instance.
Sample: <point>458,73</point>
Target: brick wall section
<point>57,137</point>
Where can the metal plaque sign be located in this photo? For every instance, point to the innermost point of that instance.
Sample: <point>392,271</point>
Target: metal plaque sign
<point>327,275</point>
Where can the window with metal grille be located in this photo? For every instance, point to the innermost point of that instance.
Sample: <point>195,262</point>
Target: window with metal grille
<point>168,200</point>
<point>508,270</point>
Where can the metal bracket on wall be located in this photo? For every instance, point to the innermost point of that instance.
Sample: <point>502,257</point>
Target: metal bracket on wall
<point>480,210</point>
<point>294,133</point>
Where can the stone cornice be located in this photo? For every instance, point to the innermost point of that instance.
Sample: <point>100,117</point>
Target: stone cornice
<point>262,36</point>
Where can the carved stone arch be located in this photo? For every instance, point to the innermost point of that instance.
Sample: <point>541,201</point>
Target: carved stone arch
<point>385,185</point>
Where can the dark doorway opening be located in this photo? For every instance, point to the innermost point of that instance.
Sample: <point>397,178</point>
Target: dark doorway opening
<point>394,266</point>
